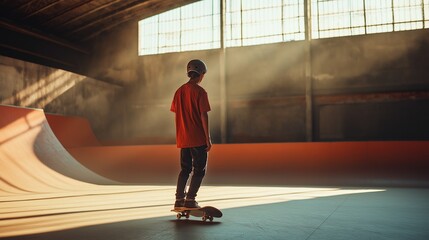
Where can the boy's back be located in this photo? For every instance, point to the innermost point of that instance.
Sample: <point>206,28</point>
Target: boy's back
<point>188,103</point>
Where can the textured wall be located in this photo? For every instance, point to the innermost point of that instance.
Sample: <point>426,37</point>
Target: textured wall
<point>266,89</point>
<point>57,91</point>
<point>372,87</point>
<point>368,87</point>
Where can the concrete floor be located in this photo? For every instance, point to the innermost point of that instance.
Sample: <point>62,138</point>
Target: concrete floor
<point>393,213</point>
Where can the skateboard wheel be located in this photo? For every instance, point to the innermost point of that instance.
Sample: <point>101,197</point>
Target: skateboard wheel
<point>179,216</point>
<point>187,215</point>
<point>204,218</point>
<point>211,219</point>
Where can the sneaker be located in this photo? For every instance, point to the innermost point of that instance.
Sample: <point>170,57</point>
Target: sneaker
<point>191,203</point>
<point>179,204</point>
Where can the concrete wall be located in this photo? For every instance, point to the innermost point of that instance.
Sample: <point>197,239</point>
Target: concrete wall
<point>266,93</point>
<point>373,87</point>
<point>57,91</point>
<point>114,56</point>
<point>369,87</point>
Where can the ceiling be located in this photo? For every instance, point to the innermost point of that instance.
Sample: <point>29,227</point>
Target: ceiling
<point>60,33</point>
<point>77,21</point>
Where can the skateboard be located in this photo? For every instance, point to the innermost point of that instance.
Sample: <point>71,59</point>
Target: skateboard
<point>206,213</point>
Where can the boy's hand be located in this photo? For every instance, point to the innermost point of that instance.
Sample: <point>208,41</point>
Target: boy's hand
<point>209,145</point>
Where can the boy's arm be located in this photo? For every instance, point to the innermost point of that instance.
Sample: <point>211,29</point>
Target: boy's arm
<point>205,121</point>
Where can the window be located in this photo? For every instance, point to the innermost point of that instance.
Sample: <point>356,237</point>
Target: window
<point>337,18</point>
<point>192,27</point>
<point>408,14</point>
<point>250,22</point>
<point>201,25</point>
<point>426,14</point>
<point>351,17</point>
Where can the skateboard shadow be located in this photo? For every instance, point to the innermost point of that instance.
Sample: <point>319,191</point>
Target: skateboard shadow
<point>193,222</point>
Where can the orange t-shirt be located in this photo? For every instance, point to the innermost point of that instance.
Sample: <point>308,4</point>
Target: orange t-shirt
<point>189,101</point>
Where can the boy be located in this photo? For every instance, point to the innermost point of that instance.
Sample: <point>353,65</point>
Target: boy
<point>190,105</point>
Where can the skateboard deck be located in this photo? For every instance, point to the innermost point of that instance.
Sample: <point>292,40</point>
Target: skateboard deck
<point>206,213</point>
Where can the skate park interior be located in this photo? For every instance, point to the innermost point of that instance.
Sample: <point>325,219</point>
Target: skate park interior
<point>325,138</point>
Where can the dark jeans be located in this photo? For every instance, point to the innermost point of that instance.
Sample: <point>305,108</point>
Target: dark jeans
<point>191,160</point>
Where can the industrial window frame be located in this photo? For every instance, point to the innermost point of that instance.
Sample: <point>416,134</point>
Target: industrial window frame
<point>246,24</point>
<point>254,22</point>
<point>192,27</point>
<point>358,17</point>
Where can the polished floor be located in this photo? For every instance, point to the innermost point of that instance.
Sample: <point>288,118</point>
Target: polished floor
<point>262,213</point>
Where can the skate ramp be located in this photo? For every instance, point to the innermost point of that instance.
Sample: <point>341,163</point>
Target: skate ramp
<point>43,188</point>
<point>72,131</point>
<point>32,158</point>
<point>364,163</point>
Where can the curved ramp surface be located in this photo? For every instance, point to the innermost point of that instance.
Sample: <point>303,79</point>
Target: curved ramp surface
<point>40,189</point>
<point>28,145</point>
<point>72,131</point>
